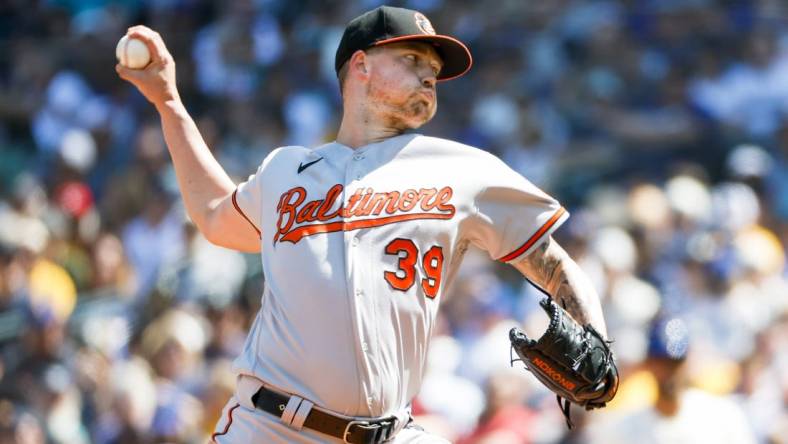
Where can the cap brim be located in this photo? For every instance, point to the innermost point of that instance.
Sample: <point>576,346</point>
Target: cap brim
<point>456,56</point>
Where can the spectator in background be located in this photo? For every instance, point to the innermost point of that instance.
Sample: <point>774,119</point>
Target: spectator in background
<point>505,419</point>
<point>18,426</point>
<point>680,414</point>
<point>112,273</point>
<point>172,343</point>
<point>448,404</point>
<point>154,240</point>
<point>131,404</point>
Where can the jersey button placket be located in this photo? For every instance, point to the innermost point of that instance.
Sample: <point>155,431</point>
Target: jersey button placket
<point>356,276</point>
<point>358,157</point>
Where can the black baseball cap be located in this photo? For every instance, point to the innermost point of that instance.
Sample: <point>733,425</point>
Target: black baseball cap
<point>387,24</point>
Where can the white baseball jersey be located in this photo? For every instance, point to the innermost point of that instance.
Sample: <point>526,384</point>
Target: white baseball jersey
<point>358,247</point>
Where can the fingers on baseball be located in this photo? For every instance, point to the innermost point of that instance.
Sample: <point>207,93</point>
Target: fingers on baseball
<point>130,75</point>
<point>152,39</point>
<point>122,71</point>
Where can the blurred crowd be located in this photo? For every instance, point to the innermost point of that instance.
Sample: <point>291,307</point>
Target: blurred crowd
<point>661,124</point>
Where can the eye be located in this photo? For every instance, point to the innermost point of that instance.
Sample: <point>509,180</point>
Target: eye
<point>410,58</point>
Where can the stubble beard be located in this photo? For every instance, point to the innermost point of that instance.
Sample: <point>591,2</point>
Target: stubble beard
<point>411,113</point>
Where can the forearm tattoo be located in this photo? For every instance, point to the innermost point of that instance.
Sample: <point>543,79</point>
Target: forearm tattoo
<point>551,268</point>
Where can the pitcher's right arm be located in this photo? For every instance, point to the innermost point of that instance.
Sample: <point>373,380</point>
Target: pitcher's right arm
<point>206,188</point>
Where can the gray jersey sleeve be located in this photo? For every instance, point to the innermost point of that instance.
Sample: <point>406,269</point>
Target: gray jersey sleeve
<point>513,216</point>
<point>248,196</point>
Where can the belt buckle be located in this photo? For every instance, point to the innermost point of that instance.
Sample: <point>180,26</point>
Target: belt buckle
<point>349,425</point>
<point>382,430</point>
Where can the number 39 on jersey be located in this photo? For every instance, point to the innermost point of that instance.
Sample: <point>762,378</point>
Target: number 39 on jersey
<point>430,265</point>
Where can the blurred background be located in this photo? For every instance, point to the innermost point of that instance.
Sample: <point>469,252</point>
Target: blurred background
<point>662,125</point>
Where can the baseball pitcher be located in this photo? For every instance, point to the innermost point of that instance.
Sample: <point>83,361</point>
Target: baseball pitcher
<point>360,237</point>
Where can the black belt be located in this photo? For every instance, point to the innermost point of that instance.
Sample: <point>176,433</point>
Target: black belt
<point>351,431</point>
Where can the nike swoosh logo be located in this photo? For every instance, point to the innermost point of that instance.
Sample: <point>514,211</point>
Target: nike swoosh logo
<point>303,166</point>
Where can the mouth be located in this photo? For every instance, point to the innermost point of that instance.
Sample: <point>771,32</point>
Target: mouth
<point>429,95</point>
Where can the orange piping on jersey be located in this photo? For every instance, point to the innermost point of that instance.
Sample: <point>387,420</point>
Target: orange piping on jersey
<point>229,423</point>
<point>238,209</point>
<point>296,234</point>
<point>530,242</point>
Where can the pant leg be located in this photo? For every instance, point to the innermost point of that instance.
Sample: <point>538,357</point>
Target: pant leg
<point>413,434</point>
<point>242,425</point>
<point>224,430</point>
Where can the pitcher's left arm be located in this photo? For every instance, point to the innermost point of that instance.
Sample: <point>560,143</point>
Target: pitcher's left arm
<point>551,268</point>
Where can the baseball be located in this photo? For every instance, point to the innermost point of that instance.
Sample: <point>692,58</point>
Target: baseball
<point>132,53</point>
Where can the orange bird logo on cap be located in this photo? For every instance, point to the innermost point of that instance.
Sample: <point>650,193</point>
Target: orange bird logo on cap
<point>424,24</point>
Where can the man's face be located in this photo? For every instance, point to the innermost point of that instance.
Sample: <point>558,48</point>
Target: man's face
<point>671,374</point>
<point>401,85</point>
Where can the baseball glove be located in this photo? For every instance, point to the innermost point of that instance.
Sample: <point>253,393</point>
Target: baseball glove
<point>573,361</point>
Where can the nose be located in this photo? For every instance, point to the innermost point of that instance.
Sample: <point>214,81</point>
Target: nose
<point>429,82</point>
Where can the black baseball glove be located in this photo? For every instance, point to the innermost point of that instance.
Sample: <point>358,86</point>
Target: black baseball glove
<point>573,361</point>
